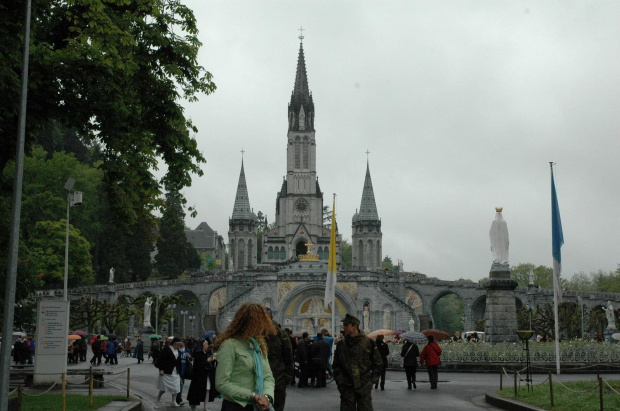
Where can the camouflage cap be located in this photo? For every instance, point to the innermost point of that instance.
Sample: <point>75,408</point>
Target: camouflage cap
<point>349,319</point>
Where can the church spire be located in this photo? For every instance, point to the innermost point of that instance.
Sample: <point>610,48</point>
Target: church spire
<point>368,207</point>
<point>242,208</point>
<point>301,107</point>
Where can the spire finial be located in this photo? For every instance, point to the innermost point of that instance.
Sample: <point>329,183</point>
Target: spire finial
<point>301,34</point>
<point>367,156</point>
<point>242,152</point>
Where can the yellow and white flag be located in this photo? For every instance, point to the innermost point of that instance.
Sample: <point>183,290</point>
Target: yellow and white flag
<point>330,286</point>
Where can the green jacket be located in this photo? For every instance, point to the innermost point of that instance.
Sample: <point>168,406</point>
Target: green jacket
<point>356,362</point>
<point>235,378</point>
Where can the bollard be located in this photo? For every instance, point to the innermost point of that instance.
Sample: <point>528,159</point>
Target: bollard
<point>64,392</point>
<point>128,374</point>
<point>90,389</point>
<point>20,396</point>
<point>501,378</point>
<point>551,388</point>
<point>600,391</point>
<point>515,374</point>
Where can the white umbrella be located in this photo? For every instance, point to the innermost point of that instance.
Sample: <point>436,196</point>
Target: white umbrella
<point>616,336</point>
<point>19,333</point>
<point>414,337</point>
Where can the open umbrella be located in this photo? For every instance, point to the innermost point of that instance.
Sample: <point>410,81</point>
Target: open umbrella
<point>154,336</point>
<point>437,334</point>
<point>208,334</point>
<point>377,333</point>
<point>103,338</point>
<point>616,336</point>
<point>19,333</point>
<point>414,337</point>
<point>74,337</point>
<point>80,333</point>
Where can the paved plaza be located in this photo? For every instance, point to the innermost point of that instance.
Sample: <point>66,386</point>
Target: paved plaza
<point>462,391</point>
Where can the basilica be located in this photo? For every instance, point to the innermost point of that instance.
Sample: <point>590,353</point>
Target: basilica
<point>299,203</point>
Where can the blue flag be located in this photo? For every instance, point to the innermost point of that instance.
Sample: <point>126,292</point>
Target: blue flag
<point>557,240</point>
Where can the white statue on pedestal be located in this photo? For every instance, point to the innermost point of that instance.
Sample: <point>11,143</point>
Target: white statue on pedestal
<point>366,319</point>
<point>611,316</point>
<point>499,242</point>
<point>111,279</point>
<point>147,311</point>
<point>412,325</point>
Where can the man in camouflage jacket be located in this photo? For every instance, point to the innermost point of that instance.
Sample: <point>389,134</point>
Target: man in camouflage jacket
<point>280,356</point>
<point>357,366</point>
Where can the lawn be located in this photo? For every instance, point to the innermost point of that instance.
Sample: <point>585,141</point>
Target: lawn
<point>568,400</point>
<point>73,402</point>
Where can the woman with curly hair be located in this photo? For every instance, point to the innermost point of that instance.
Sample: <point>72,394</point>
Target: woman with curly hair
<point>243,375</point>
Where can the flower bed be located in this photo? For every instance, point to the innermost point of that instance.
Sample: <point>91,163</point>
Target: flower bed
<point>572,352</point>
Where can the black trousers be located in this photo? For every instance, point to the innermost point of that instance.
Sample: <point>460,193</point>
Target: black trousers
<point>432,375</point>
<point>410,372</point>
<point>233,406</point>
<point>319,372</point>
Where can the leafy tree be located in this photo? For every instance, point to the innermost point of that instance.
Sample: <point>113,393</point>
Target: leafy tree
<point>113,72</point>
<point>543,276</point>
<point>387,263</point>
<point>346,254</point>
<point>86,312</point>
<point>48,251</point>
<point>607,282</point>
<point>580,282</point>
<point>448,313</point>
<point>193,259</point>
<point>171,258</point>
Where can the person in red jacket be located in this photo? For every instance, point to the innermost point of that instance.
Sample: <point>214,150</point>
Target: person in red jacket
<point>430,354</point>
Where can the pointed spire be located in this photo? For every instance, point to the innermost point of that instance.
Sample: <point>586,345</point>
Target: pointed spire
<point>301,98</point>
<point>242,208</point>
<point>368,207</point>
<point>300,90</point>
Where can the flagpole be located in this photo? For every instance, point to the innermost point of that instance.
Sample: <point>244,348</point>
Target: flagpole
<point>333,330</point>
<point>556,278</point>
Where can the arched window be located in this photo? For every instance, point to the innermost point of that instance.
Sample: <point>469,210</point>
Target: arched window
<point>282,253</point>
<point>270,252</point>
<point>306,154</point>
<point>360,251</point>
<point>297,153</point>
<point>250,252</point>
<point>241,255</point>
<point>320,253</point>
<point>371,254</point>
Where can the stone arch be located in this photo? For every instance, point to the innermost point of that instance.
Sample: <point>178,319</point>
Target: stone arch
<point>241,256</point>
<point>289,305</point>
<point>518,303</point>
<point>217,300</point>
<point>437,297</point>
<point>478,308</point>
<point>370,254</point>
<point>300,246</point>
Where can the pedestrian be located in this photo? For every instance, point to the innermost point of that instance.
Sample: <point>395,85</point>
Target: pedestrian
<point>202,386</point>
<point>31,348</point>
<point>83,348</point>
<point>430,355</point>
<point>95,346</point>
<point>410,353</point>
<point>321,360</point>
<point>20,351</point>
<point>139,351</point>
<point>186,358</point>
<point>303,360</point>
<point>127,347</point>
<point>243,375</point>
<point>280,356</point>
<point>384,352</point>
<point>357,367</point>
<point>155,350</point>
<point>169,365</point>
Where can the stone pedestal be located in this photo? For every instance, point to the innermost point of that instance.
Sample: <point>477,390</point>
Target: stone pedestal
<point>500,316</point>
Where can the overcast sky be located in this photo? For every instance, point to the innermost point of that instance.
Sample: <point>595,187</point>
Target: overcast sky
<point>462,104</point>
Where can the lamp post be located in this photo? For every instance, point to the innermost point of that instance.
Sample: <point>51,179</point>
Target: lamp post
<point>191,321</point>
<point>580,302</point>
<point>184,313</point>
<point>525,335</point>
<point>73,199</point>
<point>157,302</point>
<point>172,313</point>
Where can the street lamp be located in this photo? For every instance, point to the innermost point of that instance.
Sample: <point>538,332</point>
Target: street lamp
<point>172,307</point>
<point>157,303</point>
<point>191,321</point>
<point>73,199</point>
<point>184,313</point>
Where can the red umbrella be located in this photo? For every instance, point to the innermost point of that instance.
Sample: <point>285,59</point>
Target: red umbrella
<point>377,333</point>
<point>438,335</point>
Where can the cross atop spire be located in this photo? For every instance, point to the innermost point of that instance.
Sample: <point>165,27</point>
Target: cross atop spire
<point>301,34</point>
<point>367,157</point>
